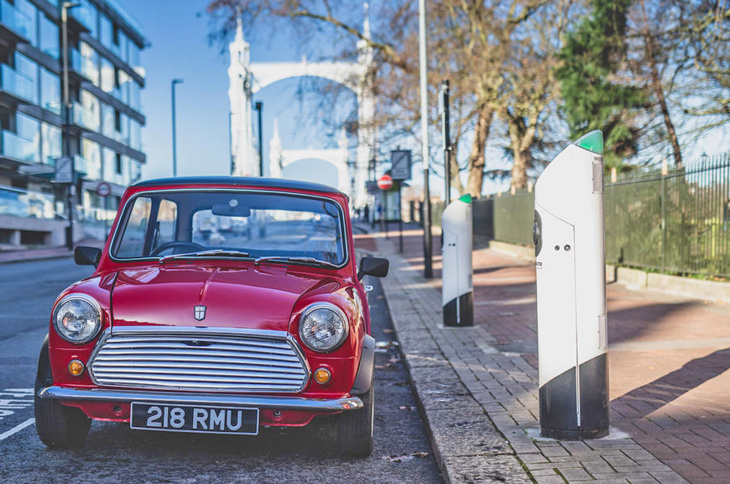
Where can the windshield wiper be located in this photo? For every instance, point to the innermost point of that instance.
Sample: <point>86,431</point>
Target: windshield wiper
<point>306,260</point>
<point>206,253</point>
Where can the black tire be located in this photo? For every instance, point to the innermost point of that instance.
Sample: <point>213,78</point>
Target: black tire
<point>355,428</point>
<point>58,426</point>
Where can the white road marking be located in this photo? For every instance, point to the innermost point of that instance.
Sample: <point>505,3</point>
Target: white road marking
<point>17,429</point>
<point>7,405</point>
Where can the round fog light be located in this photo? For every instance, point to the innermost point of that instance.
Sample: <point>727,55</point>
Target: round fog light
<point>75,367</point>
<point>322,376</point>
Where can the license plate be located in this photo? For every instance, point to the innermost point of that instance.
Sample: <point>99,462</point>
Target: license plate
<point>194,418</point>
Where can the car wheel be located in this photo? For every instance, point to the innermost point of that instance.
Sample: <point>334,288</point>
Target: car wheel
<point>355,428</point>
<point>57,426</point>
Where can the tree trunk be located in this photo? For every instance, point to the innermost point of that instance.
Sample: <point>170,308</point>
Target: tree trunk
<point>477,157</point>
<point>521,138</point>
<point>455,180</point>
<point>519,167</point>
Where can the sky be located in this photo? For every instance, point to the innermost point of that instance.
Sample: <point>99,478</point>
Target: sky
<point>177,31</point>
<point>178,34</point>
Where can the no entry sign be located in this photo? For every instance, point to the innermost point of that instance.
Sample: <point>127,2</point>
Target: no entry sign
<point>385,182</point>
<point>103,189</point>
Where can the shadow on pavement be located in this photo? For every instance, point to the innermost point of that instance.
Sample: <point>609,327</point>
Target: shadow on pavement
<point>664,390</point>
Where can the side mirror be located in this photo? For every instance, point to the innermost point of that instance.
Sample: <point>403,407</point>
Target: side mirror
<point>373,266</point>
<point>87,256</point>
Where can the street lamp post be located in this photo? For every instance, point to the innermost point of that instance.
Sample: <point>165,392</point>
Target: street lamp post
<point>174,127</point>
<point>427,255</point>
<point>65,7</point>
<point>260,108</point>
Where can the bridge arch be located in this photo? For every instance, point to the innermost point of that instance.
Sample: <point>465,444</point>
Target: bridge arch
<point>247,78</point>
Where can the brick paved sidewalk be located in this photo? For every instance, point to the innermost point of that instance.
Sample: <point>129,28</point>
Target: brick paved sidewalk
<point>670,387</point>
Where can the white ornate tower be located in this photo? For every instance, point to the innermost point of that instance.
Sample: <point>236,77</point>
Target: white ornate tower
<point>366,149</point>
<point>275,154</point>
<point>244,157</point>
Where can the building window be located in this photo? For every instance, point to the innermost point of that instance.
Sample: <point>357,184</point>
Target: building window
<point>88,112</point>
<point>109,162</point>
<point>27,82</point>
<point>109,34</point>
<point>89,63</point>
<point>118,165</point>
<point>124,47</point>
<point>51,144</point>
<point>91,152</point>
<point>117,121</point>
<point>29,10</point>
<point>25,144</point>
<point>107,75</point>
<point>134,96</point>
<point>135,137</point>
<point>124,81</point>
<point>50,91</point>
<point>107,126</point>
<point>49,37</point>
<point>134,59</point>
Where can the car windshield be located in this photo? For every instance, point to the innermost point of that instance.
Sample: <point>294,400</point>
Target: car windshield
<point>231,224</point>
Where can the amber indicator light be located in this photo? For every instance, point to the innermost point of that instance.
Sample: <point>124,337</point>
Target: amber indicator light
<point>75,367</point>
<point>322,376</point>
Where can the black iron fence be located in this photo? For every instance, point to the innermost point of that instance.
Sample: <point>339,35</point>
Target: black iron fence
<point>674,221</point>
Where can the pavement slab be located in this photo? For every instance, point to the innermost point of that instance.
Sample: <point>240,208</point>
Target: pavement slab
<point>670,388</point>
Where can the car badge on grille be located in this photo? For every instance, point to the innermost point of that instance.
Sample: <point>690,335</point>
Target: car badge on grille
<point>200,313</point>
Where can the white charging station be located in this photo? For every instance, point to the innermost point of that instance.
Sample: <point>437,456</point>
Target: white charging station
<point>571,293</point>
<point>458,289</point>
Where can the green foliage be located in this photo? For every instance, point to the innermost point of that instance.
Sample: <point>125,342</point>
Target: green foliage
<point>591,59</point>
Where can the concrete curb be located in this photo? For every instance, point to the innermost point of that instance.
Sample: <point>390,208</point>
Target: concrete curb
<point>32,258</point>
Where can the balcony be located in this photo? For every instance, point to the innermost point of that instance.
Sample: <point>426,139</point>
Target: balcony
<point>23,203</point>
<point>15,148</point>
<point>16,86</point>
<point>15,26</point>
<point>86,118</point>
<point>84,67</point>
<point>82,16</point>
<point>81,165</point>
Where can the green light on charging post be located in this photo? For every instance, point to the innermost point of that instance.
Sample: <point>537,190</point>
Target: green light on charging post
<point>592,142</point>
<point>465,198</point>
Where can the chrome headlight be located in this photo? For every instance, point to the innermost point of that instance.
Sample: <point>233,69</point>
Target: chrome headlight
<point>323,327</point>
<point>77,318</point>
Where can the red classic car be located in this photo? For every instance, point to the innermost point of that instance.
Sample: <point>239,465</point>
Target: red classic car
<point>218,305</point>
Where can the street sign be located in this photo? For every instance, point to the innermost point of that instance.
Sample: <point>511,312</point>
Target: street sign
<point>385,182</point>
<point>371,187</point>
<point>401,164</point>
<point>64,170</point>
<point>103,189</point>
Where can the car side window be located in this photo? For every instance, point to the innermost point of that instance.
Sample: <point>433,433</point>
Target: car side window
<point>132,241</point>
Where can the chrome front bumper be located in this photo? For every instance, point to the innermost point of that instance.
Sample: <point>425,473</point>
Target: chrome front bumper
<point>257,401</point>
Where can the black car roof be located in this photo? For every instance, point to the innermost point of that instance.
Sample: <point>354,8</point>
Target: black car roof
<point>239,181</point>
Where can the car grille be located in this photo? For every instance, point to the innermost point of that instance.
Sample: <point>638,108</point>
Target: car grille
<point>199,359</point>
